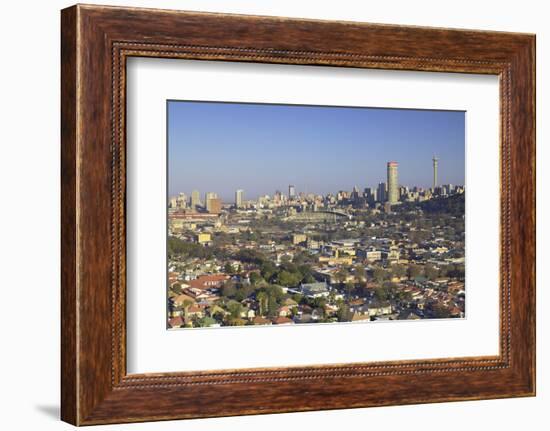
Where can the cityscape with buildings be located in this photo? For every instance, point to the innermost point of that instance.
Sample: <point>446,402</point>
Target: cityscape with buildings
<point>383,252</point>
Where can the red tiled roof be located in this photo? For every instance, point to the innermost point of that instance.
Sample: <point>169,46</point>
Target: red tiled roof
<point>259,320</point>
<point>176,322</point>
<point>207,281</point>
<point>282,320</point>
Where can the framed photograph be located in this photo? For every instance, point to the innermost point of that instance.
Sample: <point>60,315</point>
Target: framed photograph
<point>265,215</point>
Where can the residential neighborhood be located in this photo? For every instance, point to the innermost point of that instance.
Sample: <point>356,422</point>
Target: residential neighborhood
<point>381,254</point>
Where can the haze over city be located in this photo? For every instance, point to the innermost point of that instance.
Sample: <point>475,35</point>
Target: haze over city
<point>262,148</point>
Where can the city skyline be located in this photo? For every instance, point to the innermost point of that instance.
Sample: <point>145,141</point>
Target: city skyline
<point>389,190</point>
<point>263,148</point>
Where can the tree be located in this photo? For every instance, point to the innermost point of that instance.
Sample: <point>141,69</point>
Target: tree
<point>404,296</point>
<point>268,270</point>
<point>399,271</point>
<point>228,268</point>
<point>261,297</point>
<point>235,309</point>
<point>250,256</point>
<point>286,259</point>
<point>285,278</point>
<point>413,271</point>
<point>343,313</point>
<point>386,291</point>
<point>341,275</point>
<point>359,273</point>
<point>455,271</point>
<point>349,289</point>
<point>272,305</point>
<point>186,304</point>
<point>380,274</point>
<point>255,277</point>
<point>176,288</point>
<point>319,303</point>
<point>440,311</point>
<point>309,279</point>
<point>229,289</point>
<point>243,292</point>
<point>298,297</point>
<point>431,272</point>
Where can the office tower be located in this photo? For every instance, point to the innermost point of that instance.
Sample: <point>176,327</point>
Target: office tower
<point>182,201</point>
<point>291,191</point>
<point>393,183</point>
<point>239,197</point>
<point>435,160</point>
<point>370,195</point>
<point>355,194</point>
<point>208,197</point>
<point>195,199</point>
<point>382,192</point>
<point>214,205</point>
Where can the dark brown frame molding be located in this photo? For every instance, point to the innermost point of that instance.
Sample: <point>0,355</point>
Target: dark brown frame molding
<point>95,43</point>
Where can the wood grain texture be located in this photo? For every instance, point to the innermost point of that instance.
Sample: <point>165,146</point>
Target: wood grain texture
<point>69,397</point>
<point>96,41</point>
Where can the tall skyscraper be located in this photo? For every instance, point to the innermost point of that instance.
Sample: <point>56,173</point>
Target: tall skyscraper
<point>435,160</point>
<point>239,197</point>
<point>393,183</point>
<point>291,191</point>
<point>195,199</point>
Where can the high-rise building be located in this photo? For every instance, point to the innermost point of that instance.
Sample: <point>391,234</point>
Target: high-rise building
<point>239,198</point>
<point>291,191</point>
<point>355,194</point>
<point>181,201</point>
<point>435,160</point>
<point>382,192</point>
<point>208,198</point>
<point>370,195</point>
<point>214,205</point>
<point>393,183</point>
<point>195,199</point>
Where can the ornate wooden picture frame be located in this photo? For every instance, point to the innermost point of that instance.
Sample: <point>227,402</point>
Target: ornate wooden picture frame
<point>96,41</point>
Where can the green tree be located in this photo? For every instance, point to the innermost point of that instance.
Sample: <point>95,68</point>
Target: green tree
<point>228,268</point>
<point>431,272</point>
<point>268,270</point>
<point>349,289</point>
<point>360,274</point>
<point>285,278</point>
<point>398,271</point>
<point>440,311</point>
<point>176,288</point>
<point>380,274</point>
<point>341,275</point>
<point>385,292</point>
<point>228,289</point>
<point>255,277</point>
<point>186,304</point>
<point>413,271</point>
<point>261,297</point>
<point>272,305</point>
<point>343,314</point>
<point>234,308</point>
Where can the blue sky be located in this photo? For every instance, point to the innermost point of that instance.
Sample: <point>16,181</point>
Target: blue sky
<point>261,148</point>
